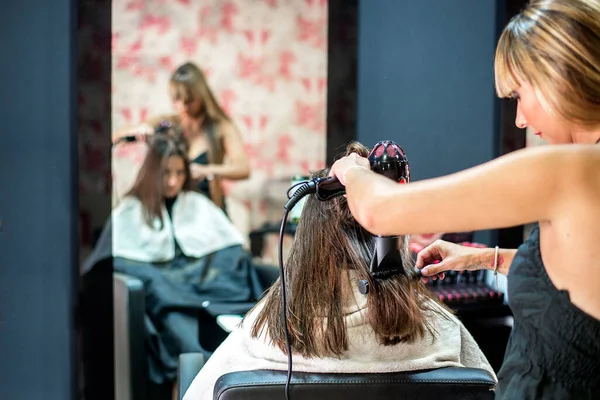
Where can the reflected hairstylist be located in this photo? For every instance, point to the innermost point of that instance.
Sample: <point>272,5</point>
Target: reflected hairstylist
<point>216,148</point>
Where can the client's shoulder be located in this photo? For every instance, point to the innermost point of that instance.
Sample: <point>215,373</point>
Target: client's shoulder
<point>251,316</point>
<point>127,204</point>
<point>440,315</point>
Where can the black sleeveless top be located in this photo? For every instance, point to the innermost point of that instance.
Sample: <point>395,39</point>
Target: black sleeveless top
<point>203,186</point>
<point>554,347</point>
<point>202,159</point>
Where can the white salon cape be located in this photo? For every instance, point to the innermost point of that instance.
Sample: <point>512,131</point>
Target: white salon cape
<point>198,225</point>
<point>453,346</point>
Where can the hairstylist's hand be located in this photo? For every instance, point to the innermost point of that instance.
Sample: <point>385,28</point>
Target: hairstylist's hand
<point>339,168</point>
<point>199,172</point>
<point>441,256</point>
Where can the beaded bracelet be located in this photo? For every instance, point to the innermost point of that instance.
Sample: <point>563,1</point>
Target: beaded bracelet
<point>496,266</point>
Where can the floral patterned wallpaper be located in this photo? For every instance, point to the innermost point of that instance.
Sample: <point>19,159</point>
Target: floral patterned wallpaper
<point>266,61</point>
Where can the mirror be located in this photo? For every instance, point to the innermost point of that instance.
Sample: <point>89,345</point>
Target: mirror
<point>264,61</point>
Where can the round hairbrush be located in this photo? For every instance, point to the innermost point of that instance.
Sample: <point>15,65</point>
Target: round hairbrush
<point>388,159</point>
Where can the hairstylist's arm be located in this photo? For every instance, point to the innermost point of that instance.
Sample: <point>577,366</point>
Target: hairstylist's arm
<point>529,185</point>
<point>460,258</point>
<point>144,128</point>
<point>236,165</point>
<point>138,131</point>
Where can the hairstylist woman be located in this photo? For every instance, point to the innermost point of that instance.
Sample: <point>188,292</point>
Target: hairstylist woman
<point>548,59</point>
<point>216,148</point>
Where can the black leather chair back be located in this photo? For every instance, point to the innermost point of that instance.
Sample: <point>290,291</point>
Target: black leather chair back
<point>444,383</point>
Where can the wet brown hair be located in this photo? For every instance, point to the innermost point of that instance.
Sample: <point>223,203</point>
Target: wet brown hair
<point>327,245</point>
<point>148,186</point>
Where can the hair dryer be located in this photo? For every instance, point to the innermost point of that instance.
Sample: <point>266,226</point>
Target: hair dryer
<point>388,159</point>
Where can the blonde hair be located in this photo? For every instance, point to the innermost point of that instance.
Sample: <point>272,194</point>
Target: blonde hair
<point>189,83</point>
<point>554,45</point>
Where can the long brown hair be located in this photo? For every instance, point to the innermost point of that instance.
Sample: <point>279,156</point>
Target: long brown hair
<point>327,245</point>
<point>189,83</point>
<point>148,186</point>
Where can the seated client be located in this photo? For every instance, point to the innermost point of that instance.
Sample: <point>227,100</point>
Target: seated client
<point>182,247</point>
<point>397,326</point>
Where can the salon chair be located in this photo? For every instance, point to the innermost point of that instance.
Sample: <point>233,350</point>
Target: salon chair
<point>129,333</point>
<point>257,236</point>
<point>131,366</point>
<point>450,383</point>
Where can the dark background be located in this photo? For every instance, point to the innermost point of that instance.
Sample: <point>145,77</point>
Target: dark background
<point>38,200</point>
<point>426,81</point>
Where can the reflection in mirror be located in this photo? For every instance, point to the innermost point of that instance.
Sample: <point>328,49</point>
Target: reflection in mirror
<point>265,65</point>
<point>242,87</point>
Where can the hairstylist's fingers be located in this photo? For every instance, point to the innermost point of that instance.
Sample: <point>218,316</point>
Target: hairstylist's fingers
<point>430,254</point>
<point>437,258</point>
<point>426,279</point>
<point>339,168</point>
<point>433,270</point>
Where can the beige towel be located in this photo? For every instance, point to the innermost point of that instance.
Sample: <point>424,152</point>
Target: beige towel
<point>453,347</point>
